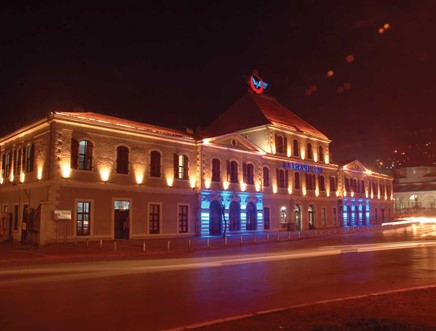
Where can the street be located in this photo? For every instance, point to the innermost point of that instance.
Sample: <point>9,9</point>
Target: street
<point>186,289</point>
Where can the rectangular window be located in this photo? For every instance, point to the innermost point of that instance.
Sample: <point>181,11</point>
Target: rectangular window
<point>7,163</point>
<point>323,216</point>
<point>266,219</point>
<point>183,216</point>
<point>83,218</point>
<point>154,218</point>
<point>17,165</point>
<point>335,216</point>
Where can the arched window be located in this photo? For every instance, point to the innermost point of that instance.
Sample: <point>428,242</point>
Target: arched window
<point>282,178</point>
<point>297,216</point>
<point>232,171</point>
<point>81,154</point>
<point>321,154</point>
<point>333,184</point>
<point>234,216</point>
<point>296,148</point>
<point>181,166</point>
<point>310,181</point>
<point>251,216</point>
<point>122,160</point>
<point>248,173</point>
<point>265,177</point>
<point>281,144</point>
<point>321,182</point>
<point>155,164</point>
<point>297,181</point>
<point>309,151</point>
<point>216,170</point>
<point>311,214</point>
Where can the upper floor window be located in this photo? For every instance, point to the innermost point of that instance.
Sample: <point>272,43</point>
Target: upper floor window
<point>281,144</point>
<point>232,171</point>
<point>6,164</point>
<point>29,157</point>
<point>347,184</point>
<point>362,186</point>
<point>297,185</point>
<point>17,161</point>
<point>155,157</point>
<point>181,167</point>
<point>248,173</point>
<point>333,184</point>
<point>309,151</point>
<point>375,188</point>
<point>321,182</point>
<point>320,154</point>
<point>265,177</point>
<point>310,181</point>
<point>122,160</point>
<point>216,170</point>
<point>296,148</point>
<point>81,154</point>
<point>282,178</point>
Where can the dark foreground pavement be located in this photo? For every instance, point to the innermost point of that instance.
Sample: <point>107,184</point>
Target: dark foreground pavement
<point>412,309</point>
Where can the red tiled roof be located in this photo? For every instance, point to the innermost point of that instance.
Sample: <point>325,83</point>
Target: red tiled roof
<point>122,123</point>
<point>256,110</point>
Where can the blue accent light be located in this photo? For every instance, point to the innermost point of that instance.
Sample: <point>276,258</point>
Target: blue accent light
<point>260,216</point>
<point>302,167</point>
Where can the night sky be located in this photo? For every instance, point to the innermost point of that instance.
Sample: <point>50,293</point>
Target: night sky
<point>181,64</point>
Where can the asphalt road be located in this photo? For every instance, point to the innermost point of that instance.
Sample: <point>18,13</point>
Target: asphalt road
<point>198,287</point>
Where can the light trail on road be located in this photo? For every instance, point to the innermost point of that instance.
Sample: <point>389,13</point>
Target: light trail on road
<point>88,270</point>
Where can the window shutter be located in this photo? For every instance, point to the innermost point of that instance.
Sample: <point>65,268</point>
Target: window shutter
<point>176,165</point>
<point>89,152</point>
<point>74,153</point>
<point>185,167</point>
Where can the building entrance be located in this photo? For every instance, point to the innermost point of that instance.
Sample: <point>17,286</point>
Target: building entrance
<point>215,222</point>
<point>121,219</point>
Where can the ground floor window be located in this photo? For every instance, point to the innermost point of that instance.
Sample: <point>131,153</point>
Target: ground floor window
<point>154,218</point>
<point>323,216</point>
<point>266,220</point>
<point>83,218</point>
<point>183,218</point>
<point>16,217</point>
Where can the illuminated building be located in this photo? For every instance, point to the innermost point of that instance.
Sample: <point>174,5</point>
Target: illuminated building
<point>415,191</point>
<point>258,167</point>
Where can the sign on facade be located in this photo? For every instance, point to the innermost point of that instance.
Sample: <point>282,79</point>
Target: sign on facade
<point>60,215</point>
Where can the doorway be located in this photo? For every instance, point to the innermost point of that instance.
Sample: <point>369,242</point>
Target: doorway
<point>215,221</point>
<point>121,219</point>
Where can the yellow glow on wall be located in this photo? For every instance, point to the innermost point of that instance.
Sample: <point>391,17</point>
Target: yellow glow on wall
<point>257,186</point>
<point>139,176</point>
<point>11,177</point>
<point>170,181</point>
<point>1,180</point>
<point>326,159</point>
<point>207,183</point>
<point>345,193</point>
<point>105,173</point>
<point>378,195</point>
<point>366,194</point>
<point>352,194</point>
<point>337,193</point>
<point>226,185</point>
<point>317,192</point>
<point>289,152</point>
<point>22,177</point>
<point>290,189</point>
<point>274,149</point>
<point>39,173</point>
<point>206,141</point>
<point>327,191</point>
<point>368,172</point>
<point>274,188</point>
<point>243,186</point>
<point>386,196</point>
<point>66,170</point>
<point>192,182</point>
<point>315,156</point>
<point>303,154</point>
<point>372,195</point>
<point>304,190</point>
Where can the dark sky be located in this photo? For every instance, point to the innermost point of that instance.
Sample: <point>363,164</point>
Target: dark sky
<point>182,63</point>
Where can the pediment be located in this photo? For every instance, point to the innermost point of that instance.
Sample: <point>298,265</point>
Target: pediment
<point>355,166</point>
<point>234,141</point>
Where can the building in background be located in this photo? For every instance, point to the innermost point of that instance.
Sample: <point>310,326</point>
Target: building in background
<point>415,191</point>
<point>258,167</point>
